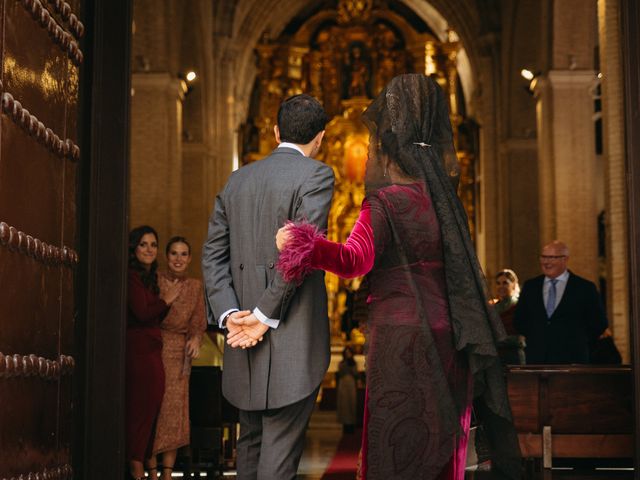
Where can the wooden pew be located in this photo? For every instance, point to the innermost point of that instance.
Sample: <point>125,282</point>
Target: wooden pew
<point>213,424</point>
<point>572,411</point>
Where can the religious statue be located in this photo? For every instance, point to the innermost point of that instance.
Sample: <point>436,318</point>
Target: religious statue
<point>386,49</point>
<point>358,73</point>
<point>329,73</point>
<point>315,73</point>
<point>344,55</point>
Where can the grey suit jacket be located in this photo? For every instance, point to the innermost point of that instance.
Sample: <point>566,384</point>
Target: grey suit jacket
<point>238,264</point>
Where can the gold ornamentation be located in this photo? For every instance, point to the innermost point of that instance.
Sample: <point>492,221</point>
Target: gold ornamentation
<point>346,144</point>
<point>354,11</point>
<point>345,57</point>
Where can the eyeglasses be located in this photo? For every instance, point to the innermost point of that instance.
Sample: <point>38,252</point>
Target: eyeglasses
<point>552,257</point>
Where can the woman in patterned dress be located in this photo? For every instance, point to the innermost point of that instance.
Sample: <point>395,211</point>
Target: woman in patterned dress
<point>431,331</point>
<point>182,331</point>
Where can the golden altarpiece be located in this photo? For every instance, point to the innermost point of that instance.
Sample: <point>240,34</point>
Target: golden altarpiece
<point>345,56</point>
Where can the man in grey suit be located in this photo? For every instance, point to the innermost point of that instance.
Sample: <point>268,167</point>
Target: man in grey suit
<point>273,382</point>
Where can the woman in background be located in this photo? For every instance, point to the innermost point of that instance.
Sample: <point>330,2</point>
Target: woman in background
<point>147,308</point>
<point>182,331</point>
<point>347,391</point>
<point>511,349</point>
<point>507,290</point>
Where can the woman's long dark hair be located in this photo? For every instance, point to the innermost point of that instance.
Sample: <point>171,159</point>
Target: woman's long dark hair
<point>150,277</point>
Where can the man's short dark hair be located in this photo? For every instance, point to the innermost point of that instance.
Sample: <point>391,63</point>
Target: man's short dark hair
<point>300,119</point>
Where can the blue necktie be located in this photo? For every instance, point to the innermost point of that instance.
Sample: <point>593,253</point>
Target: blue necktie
<point>551,298</point>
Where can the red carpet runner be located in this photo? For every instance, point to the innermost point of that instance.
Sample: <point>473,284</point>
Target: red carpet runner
<point>344,463</point>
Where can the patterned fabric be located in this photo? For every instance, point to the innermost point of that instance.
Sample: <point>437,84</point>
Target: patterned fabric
<point>186,319</point>
<point>431,327</point>
<point>409,123</point>
<point>412,371</point>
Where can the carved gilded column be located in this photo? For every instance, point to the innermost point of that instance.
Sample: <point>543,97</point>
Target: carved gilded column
<point>270,71</point>
<point>345,146</point>
<point>422,53</point>
<point>295,69</point>
<point>450,51</point>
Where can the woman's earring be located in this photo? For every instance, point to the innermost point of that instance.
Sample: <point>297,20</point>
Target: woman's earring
<point>386,171</point>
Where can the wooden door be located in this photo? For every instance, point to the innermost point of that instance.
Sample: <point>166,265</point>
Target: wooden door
<point>39,164</point>
<point>630,23</point>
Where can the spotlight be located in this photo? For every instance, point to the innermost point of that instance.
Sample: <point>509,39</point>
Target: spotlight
<point>186,81</point>
<point>531,78</point>
<point>527,74</point>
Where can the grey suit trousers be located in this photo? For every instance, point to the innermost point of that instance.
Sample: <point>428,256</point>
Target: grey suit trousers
<point>271,441</point>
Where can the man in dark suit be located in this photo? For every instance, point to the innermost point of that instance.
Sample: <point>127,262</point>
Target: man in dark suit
<point>274,384</point>
<point>559,313</point>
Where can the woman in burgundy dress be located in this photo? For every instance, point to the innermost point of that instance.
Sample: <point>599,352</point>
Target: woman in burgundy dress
<point>144,370</point>
<point>431,331</point>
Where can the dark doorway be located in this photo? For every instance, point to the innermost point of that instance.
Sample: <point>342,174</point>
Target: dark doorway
<point>101,286</point>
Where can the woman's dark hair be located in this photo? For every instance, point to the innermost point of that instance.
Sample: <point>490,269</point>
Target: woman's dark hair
<point>150,277</point>
<point>350,361</point>
<point>177,239</point>
<point>300,119</point>
<point>388,145</point>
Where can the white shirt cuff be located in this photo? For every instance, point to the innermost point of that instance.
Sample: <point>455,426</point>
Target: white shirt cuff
<point>231,310</point>
<point>270,322</point>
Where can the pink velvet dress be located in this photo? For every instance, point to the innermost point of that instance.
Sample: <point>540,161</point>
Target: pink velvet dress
<point>413,368</point>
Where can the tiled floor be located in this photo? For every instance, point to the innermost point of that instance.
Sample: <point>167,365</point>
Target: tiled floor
<point>323,436</point>
<point>324,433</point>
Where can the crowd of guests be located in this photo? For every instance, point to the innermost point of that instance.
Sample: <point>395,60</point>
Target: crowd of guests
<point>165,325</point>
<point>557,318</point>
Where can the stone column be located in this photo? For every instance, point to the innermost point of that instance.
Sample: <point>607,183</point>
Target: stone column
<point>490,223</point>
<point>196,203</point>
<point>617,249</point>
<point>224,119</point>
<point>567,162</point>
<point>156,153</point>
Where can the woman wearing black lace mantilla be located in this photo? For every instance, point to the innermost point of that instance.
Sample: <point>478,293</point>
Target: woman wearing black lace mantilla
<point>432,333</point>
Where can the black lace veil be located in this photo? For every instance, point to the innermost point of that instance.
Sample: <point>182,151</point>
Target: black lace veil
<point>411,116</point>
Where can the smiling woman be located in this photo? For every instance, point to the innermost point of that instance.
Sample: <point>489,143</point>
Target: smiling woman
<point>181,332</point>
<point>145,376</point>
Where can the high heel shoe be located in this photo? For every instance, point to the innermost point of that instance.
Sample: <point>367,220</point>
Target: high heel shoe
<point>167,468</point>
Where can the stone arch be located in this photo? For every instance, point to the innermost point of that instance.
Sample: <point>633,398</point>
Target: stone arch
<point>254,17</point>
<point>479,70</point>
